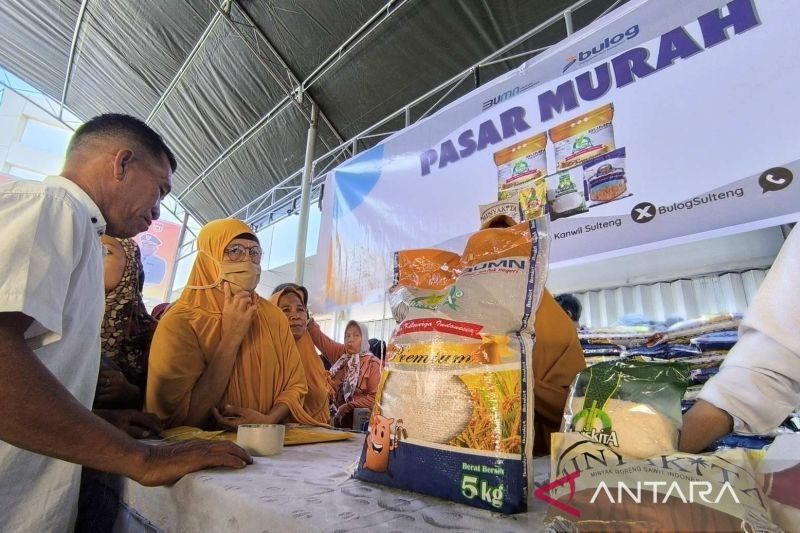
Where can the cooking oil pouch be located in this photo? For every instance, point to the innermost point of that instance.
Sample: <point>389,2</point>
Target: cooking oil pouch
<point>601,489</point>
<point>454,409</point>
<point>533,200</point>
<point>605,177</point>
<point>521,161</point>
<point>584,137</point>
<point>634,407</point>
<point>566,193</point>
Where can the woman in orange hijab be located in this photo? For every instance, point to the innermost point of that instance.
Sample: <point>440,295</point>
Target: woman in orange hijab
<point>223,346</point>
<point>557,359</point>
<point>292,300</point>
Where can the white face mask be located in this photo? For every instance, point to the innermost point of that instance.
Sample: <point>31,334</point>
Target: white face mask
<point>243,276</point>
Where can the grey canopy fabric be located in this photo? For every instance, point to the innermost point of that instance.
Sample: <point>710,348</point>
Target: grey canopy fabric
<point>220,80</point>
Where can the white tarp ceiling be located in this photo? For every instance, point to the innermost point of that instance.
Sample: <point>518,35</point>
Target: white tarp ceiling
<point>230,84</point>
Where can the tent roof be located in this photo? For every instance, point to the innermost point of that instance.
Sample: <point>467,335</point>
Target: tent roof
<point>230,85</point>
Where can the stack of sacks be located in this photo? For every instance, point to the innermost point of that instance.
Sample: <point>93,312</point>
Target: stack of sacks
<point>702,343</point>
<point>609,344</point>
<point>758,442</point>
<point>601,353</point>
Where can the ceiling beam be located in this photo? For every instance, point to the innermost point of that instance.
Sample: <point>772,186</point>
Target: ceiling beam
<point>293,79</point>
<point>349,44</point>
<point>71,60</point>
<point>381,16</point>
<point>493,58</point>
<point>182,70</point>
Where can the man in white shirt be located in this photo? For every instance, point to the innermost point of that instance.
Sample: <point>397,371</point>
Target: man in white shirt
<point>117,170</point>
<point>758,385</point>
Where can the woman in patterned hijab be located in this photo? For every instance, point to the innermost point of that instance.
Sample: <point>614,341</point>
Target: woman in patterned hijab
<point>356,373</point>
<point>127,329</point>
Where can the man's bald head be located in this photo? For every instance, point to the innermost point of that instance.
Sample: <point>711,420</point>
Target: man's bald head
<point>112,127</point>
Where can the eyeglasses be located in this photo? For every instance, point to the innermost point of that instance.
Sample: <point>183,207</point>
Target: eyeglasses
<point>237,252</point>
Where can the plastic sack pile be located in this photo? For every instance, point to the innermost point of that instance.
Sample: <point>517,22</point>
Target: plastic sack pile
<point>454,408</point>
<point>615,466</point>
<point>701,343</point>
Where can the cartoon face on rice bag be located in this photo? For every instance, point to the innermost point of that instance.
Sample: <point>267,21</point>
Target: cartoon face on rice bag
<point>379,444</point>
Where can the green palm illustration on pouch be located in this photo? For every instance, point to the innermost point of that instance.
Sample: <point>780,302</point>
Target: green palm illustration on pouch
<point>603,384</point>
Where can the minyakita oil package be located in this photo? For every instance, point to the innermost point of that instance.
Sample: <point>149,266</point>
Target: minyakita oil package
<point>596,488</point>
<point>616,468</point>
<point>454,409</point>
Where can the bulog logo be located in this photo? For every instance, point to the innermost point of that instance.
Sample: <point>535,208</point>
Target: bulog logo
<point>606,44</point>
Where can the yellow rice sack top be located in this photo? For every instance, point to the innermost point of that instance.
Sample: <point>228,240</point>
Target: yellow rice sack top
<point>454,409</point>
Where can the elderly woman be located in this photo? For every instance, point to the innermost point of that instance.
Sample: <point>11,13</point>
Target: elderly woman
<point>356,373</point>
<point>127,329</point>
<point>292,300</point>
<point>221,348</point>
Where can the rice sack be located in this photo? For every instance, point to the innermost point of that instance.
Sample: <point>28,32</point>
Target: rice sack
<point>583,138</point>
<point>685,331</point>
<point>632,406</point>
<point>566,195</point>
<point>454,409</point>
<point>521,161</point>
<point>602,489</point>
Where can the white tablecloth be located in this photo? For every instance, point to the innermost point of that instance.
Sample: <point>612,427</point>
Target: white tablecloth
<point>309,488</point>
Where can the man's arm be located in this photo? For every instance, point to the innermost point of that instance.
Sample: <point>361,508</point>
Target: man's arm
<point>702,425</point>
<point>758,385</point>
<point>38,414</point>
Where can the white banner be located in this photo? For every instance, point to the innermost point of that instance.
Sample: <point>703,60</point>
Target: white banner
<point>666,119</point>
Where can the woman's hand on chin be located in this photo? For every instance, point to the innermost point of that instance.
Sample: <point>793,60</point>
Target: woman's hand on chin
<point>232,417</point>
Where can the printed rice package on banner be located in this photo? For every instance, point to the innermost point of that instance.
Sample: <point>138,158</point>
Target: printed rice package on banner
<point>524,160</point>
<point>454,409</point>
<point>584,137</point>
<point>565,194</point>
<point>594,487</point>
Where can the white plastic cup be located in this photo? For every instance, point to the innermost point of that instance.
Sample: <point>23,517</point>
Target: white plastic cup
<point>261,439</point>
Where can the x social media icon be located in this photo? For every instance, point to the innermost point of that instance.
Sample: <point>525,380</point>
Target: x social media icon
<point>643,212</point>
